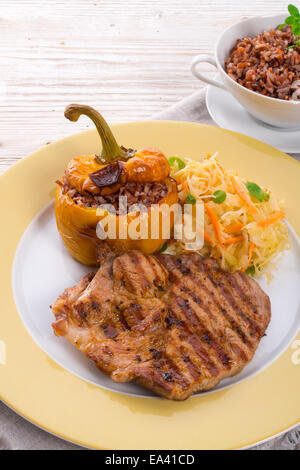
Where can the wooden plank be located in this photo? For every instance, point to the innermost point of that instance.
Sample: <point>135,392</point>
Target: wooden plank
<point>129,59</point>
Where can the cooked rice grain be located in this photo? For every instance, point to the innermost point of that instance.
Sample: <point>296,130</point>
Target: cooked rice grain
<point>136,193</point>
<point>264,64</point>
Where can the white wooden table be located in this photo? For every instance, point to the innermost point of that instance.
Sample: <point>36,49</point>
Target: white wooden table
<point>128,58</point>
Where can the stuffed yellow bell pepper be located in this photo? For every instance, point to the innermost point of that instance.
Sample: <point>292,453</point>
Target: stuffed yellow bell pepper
<point>91,181</point>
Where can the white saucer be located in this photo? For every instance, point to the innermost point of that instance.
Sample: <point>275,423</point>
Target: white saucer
<point>229,114</point>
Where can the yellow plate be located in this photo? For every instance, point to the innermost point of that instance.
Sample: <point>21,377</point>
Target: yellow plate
<point>56,400</point>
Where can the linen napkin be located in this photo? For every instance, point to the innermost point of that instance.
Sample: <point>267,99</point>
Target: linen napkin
<point>17,433</point>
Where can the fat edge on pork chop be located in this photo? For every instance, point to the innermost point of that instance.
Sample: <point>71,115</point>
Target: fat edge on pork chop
<point>173,324</point>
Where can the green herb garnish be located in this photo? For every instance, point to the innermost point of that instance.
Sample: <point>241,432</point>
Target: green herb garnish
<point>177,160</point>
<point>257,192</point>
<point>250,270</point>
<point>219,196</point>
<point>293,11</point>
<point>190,199</point>
<point>164,247</point>
<point>296,44</point>
<point>294,22</point>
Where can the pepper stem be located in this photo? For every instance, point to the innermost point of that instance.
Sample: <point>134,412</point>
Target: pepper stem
<point>111,151</point>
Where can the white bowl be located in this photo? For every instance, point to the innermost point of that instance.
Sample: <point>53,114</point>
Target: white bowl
<point>273,111</point>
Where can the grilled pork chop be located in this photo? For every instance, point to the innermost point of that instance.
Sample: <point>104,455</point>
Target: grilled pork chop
<point>174,324</point>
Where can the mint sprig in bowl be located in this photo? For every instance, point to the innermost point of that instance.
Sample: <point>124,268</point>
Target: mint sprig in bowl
<point>293,21</point>
<point>251,82</point>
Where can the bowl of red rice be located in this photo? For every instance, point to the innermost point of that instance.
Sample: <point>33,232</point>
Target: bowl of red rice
<point>259,68</point>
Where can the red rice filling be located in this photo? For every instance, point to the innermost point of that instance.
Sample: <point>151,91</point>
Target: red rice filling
<point>136,193</point>
<point>264,64</point>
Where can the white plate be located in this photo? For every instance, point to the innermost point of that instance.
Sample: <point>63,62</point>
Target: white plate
<point>225,110</point>
<point>43,269</point>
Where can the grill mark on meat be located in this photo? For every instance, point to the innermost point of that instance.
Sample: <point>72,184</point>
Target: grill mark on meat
<point>171,319</point>
<point>242,285</point>
<point>204,333</point>
<point>200,274</point>
<point>148,276</point>
<point>231,321</point>
<point>182,266</point>
<point>207,335</point>
<point>239,303</point>
<point>201,352</point>
<point>169,367</point>
<point>184,338</point>
<point>199,359</point>
<point>82,314</point>
<point>125,264</point>
<point>173,352</point>
<point>187,368</point>
<point>236,331</point>
<point>159,280</point>
<point>239,352</point>
<point>192,368</point>
<point>226,289</point>
<point>137,264</point>
<point>152,274</point>
<point>123,320</point>
<point>157,377</point>
<point>190,337</point>
<point>233,324</point>
<point>149,269</point>
<point>237,281</point>
<point>248,288</point>
<point>148,375</point>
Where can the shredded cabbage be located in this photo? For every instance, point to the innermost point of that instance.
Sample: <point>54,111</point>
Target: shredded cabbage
<point>252,232</point>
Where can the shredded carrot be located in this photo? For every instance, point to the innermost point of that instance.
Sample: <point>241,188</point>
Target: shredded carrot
<point>271,220</point>
<point>230,241</point>
<point>208,238</point>
<point>250,253</point>
<point>251,248</point>
<point>184,185</point>
<point>244,196</point>
<point>234,228</point>
<point>216,225</point>
<point>232,225</point>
